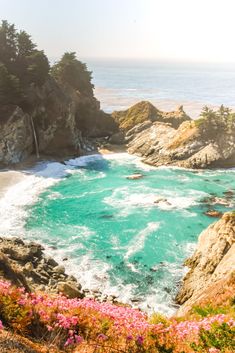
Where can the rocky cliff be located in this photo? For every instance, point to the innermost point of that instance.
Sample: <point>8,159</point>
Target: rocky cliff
<point>212,266</point>
<point>56,121</point>
<point>172,138</point>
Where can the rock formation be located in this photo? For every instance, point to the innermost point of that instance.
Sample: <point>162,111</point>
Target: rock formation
<point>63,120</point>
<point>174,139</point>
<point>212,263</point>
<point>25,265</point>
<point>146,112</point>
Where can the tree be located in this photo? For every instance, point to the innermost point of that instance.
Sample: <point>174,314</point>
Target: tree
<point>38,67</point>
<point>25,46</point>
<point>73,72</point>
<point>10,92</point>
<point>8,45</point>
<point>20,56</point>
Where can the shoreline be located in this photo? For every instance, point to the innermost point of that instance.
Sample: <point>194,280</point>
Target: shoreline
<point>10,178</point>
<point>10,175</point>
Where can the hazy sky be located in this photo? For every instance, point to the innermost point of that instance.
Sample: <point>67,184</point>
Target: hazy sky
<point>188,30</point>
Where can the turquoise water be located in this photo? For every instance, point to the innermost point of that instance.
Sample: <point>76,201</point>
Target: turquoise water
<point>117,239</point>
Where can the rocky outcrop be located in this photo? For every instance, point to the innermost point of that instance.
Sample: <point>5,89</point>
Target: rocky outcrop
<point>194,144</point>
<point>56,119</point>
<point>212,263</point>
<point>26,265</point>
<point>146,112</point>
<point>16,138</point>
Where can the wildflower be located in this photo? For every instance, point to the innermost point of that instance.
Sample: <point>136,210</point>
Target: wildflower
<point>78,339</point>
<point>69,341</point>
<point>103,337</point>
<point>129,338</point>
<point>140,340</point>
<point>1,325</point>
<point>214,350</point>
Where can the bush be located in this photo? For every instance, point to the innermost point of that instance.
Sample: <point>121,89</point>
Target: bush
<point>104,327</point>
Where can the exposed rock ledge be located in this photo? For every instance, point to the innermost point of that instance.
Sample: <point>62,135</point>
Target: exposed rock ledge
<point>25,264</point>
<point>173,138</point>
<point>212,263</point>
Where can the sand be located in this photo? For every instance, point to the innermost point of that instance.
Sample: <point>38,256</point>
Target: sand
<point>9,178</point>
<point>108,149</point>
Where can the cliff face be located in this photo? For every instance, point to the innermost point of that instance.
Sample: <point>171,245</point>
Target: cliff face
<point>172,138</point>
<point>188,146</point>
<point>55,119</point>
<point>212,265</point>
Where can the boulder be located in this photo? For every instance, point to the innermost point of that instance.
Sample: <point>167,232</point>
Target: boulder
<point>70,290</point>
<point>213,213</point>
<point>25,264</point>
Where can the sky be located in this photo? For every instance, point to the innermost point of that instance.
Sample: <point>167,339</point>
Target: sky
<point>170,30</point>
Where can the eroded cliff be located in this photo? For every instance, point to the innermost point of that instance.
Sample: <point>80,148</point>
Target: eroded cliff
<point>212,266</point>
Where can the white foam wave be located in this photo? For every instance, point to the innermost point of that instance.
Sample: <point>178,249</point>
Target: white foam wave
<point>84,160</point>
<point>126,199</point>
<point>13,212</point>
<point>137,243</point>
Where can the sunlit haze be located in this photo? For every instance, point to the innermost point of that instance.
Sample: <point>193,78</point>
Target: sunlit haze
<point>188,30</point>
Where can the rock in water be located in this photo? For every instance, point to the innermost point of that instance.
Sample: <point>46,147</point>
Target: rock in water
<point>213,213</point>
<point>25,264</point>
<point>213,261</point>
<point>134,176</point>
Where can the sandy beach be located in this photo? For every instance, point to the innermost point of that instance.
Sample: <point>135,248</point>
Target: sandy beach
<point>9,178</point>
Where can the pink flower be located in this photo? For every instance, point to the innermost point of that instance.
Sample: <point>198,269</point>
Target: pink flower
<point>129,338</point>
<point>214,350</point>
<point>140,340</point>
<point>102,337</point>
<point>1,325</point>
<point>78,339</point>
<point>69,341</point>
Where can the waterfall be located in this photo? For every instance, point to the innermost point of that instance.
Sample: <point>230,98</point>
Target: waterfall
<point>35,137</point>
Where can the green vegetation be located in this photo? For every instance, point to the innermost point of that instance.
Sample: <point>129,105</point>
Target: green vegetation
<point>207,310</point>
<point>73,72</point>
<point>138,113</point>
<point>21,64</point>
<point>220,338</point>
<point>223,119</point>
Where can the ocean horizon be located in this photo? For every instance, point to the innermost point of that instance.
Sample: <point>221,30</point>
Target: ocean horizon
<point>120,83</point>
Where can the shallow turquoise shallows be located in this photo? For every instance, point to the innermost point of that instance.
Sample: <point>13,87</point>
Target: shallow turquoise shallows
<point>127,237</point>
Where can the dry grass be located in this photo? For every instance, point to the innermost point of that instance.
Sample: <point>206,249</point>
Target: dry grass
<point>188,131</point>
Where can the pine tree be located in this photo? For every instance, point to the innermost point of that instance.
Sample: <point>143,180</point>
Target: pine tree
<point>73,72</point>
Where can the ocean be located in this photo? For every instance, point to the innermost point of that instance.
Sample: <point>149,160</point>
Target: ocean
<point>127,238</point>
<point>120,84</point>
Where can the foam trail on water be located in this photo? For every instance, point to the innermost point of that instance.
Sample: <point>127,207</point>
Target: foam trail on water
<point>137,243</point>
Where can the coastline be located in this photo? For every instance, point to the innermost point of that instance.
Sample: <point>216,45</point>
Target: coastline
<point>31,182</point>
<point>9,178</point>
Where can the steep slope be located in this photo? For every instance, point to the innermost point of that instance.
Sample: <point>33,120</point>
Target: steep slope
<point>43,109</point>
<point>206,142</point>
<point>212,265</point>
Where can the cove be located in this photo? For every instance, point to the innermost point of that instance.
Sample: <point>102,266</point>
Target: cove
<point>126,237</point>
